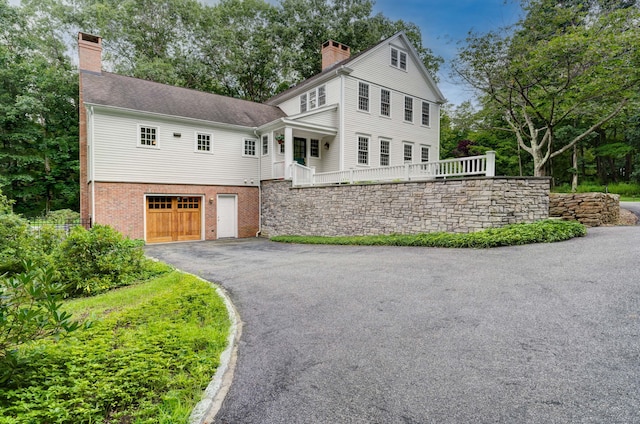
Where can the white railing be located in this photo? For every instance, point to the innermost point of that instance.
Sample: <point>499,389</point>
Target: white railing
<point>460,167</point>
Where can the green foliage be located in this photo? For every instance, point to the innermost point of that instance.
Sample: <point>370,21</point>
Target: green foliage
<point>38,115</point>
<point>99,259</point>
<point>30,309</point>
<point>565,64</point>
<point>16,243</point>
<point>149,354</point>
<point>62,215</point>
<point>547,231</point>
<point>623,189</point>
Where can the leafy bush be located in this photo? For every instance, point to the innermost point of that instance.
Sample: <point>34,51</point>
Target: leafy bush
<point>16,243</point>
<point>29,310</point>
<point>62,215</point>
<point>623,189</point>
<point>540,232</point>
<point>151,350</point>
<point>99,259</point>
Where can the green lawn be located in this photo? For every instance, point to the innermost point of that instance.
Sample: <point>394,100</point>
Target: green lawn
<point>151,350</point>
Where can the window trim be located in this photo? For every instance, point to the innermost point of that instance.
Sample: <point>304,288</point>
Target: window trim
<point>313,141</point>
<point>388,104</point>
<point>367,151</point>
<point>422,149</point>
<point>265,144</point>
<point>406,144</point>
<point>196,145</point>
<point>318,95</point>
<point>361,98</point>
<point>387,154</point>
<point>400,54</point>
<point>428,115</point>
<point>304,102</point>
<point>244,147</point>
<point>407,109</point>
<point>139,137</point>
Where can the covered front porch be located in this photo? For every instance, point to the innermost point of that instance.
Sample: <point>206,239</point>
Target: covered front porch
<point>301,143</point>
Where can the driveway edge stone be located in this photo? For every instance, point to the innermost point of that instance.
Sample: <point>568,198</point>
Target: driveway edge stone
<point>206,410</point>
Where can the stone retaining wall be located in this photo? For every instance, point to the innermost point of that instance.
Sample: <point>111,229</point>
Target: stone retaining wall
<point>454,205</point>
<point>591,209</point>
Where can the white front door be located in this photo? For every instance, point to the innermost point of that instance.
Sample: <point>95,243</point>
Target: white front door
<point>227,215</point>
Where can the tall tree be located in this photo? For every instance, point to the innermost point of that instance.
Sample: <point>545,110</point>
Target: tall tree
<point>563,62</point>
<point>38,116</point>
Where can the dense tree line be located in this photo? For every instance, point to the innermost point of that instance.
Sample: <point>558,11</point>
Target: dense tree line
<point>564,83</point>
<point>557,90</point>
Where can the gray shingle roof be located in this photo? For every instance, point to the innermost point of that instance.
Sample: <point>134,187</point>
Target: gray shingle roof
<point>136,94</point>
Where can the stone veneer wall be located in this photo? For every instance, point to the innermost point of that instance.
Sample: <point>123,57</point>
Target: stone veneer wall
<point>591,209</point>
<point>454,205</point>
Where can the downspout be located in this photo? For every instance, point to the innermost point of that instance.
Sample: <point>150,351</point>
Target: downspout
<point>91,147</point>
<point>255,131</point>
<point>341,123</point>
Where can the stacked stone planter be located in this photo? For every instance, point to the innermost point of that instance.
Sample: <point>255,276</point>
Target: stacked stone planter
<point>591,209</point>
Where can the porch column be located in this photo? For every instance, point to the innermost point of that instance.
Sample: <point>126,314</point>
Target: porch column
<point>288,152</point>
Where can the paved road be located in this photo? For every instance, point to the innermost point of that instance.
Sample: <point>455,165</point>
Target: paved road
<point>631,206</point>
<point>531,334</point>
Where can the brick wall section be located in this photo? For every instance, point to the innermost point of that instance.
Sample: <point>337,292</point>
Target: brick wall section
<point>456,205</point>
<point>591,209</point>
<point>121,205</point>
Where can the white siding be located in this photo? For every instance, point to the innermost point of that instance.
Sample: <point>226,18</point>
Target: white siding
<point>327,118</point>
<point>119,159</point>
<point>394,128</point>
<point>376,67</point>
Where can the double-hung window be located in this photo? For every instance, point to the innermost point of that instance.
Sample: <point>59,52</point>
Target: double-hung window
<point>148,136</point>
<point>425,113</point>
<point>249,147</point>
<point>363,96</point>
<point>314,148</point>
<point>203,142</point>
<point>303,103</point>
<point>385,102</point>
<point>398,59</point>
<point>265,145</point>
<point>424,154</point>
<point>408,152</point>
<point>408,109</point>
<point>384,152</point>
<point>322,95</point>
<point>363,150</point>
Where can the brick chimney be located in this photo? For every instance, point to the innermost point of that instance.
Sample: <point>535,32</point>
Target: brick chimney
<point>89,52</point>
<point>334,52</point>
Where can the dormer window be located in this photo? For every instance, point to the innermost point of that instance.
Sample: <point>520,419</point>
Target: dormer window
<point>398,59</point>
<point>313,99</point>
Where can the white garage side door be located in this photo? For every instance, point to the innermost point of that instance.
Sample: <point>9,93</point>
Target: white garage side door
<point>227,216</point>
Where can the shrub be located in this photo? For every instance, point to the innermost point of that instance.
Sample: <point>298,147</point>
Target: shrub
<point>62,215</point>
<point>95,260</point>
<point>16,243</point>
<point>29,310</point>
<point>540,232</point>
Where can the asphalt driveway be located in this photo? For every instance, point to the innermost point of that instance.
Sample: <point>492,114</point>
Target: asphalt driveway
<point>546,333</point>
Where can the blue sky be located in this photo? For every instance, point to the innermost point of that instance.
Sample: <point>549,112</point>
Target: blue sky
<point>444,23</point>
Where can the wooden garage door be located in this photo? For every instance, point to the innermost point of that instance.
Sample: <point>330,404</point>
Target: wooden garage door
<point>173,218</point>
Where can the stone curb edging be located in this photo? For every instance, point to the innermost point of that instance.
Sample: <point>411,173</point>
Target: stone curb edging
<point>206,410</point>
